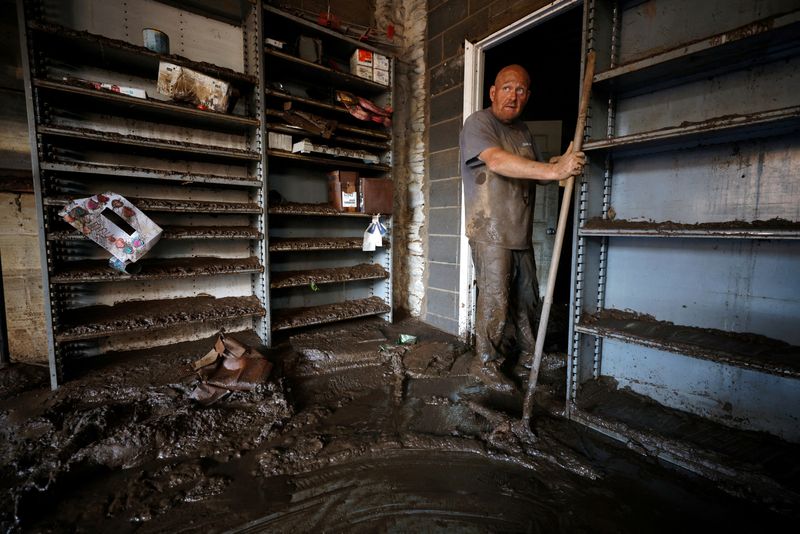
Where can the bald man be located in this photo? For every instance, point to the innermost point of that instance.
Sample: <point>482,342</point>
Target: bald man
<point>499,165</point>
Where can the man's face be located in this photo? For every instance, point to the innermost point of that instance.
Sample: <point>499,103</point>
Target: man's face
<point>509,94</point>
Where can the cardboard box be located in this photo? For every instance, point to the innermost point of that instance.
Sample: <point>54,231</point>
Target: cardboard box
<point>343,190</point>
<point>377,195</point>
<point>186,85</point>
<point>361,57</point>
<point>111,221</point>
<point>362,71</point>
<point>380,76</point>
<point>280,141</point>
<point>379,61</point>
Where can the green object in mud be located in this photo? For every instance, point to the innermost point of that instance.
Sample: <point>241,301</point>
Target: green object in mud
<point>407,339</point>
<point>314,286</point>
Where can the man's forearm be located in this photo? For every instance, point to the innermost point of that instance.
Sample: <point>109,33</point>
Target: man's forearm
<point>507,164</point>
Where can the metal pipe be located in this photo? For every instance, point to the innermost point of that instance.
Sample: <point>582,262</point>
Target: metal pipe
<point>577,145</point>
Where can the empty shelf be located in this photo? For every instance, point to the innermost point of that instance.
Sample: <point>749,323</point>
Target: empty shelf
<point>314,72</point>
<point>142,316</point>
<point>174,205</point>
<point>754,461</point>
<point>770,229</point>
<point>750,351</point>
<point>165,145</point>
<point>298,208</point>
<point>154,269</point>
<point>328,313</point>
<point>302,244</point>
<point>363,271</point>
<point>99,169</point>
<point>177,232</point>
<point>330,162</point>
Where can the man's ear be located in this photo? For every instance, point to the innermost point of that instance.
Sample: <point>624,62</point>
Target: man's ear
<point>491,93</point>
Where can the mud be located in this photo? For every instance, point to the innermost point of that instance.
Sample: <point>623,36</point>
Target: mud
<point>297,317</point>
<point>62,32</point>
<point>362,271</point>
<point>173,232</point>
<point>300,208</point>
<point>126,317</point>
<point>158,174</point>
<point>389,444</point>
<point>669,226</point>
<point>99,271</point>
<point>194,206</point>
<point>314,243</point>
<point>738,348</point>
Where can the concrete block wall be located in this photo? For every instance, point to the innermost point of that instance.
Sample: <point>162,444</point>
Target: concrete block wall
<point>450,22</point>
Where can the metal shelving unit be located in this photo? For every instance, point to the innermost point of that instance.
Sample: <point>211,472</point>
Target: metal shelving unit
<point>318,271</point>
<point>198,174</point>
<point>686,292</point>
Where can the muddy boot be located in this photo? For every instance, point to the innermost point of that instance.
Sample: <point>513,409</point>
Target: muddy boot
<point>491,376</point>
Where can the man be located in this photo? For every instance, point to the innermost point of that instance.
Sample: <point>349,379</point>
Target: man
<point>498,163</point>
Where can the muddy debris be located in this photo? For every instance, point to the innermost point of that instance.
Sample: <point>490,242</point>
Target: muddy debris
<point>670,226</point>
<point>362,271</point>
<point>314,243</point>
<point>89,270</point>
<point>353,431</point>
<point>307,316</point>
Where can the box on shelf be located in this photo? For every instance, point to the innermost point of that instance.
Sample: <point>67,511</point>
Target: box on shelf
<point>361,63</point>
<point>380,62</point>
<point>343,190</point>
<point>380,76</point>
<point>377,195</point>
<point>187,85</point>
<point>362,71</point>
<point>280,141</point>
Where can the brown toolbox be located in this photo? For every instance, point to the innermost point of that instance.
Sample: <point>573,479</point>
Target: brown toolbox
<point>377,195</point>
<point>343,190</point>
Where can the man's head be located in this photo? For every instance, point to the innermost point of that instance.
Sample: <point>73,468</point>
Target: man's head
<point>510,93</point>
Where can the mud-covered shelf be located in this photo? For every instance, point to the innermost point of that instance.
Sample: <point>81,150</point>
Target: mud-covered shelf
<point>769,229</point>
<point>305,210</point>
<point>701,445</point>
<point>363,271</point>
<point>176,205</point>
<point>90,271</point>
<point>285,319</point>
<point>302,244</point>
<point>143,316</point>
<point>749,351</point>
<point>379,132</point>
<point>767,39</point>
<point>144,143</point>
<point>321,74</point>
<point>715,130</point>
<point>113,53</point>
<point>328,162</point>
<point>146,107</point>
<point>120,171</point>
<point>177,232</point>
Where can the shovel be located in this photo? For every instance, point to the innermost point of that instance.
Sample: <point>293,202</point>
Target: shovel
<point>577,145</point>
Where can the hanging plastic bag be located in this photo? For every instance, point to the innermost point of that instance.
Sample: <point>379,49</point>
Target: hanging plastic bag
<point>373,237</point>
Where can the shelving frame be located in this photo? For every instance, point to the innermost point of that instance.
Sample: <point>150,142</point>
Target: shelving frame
<point>318,270</point>
<point>199,174</point>
<point>686,252</point>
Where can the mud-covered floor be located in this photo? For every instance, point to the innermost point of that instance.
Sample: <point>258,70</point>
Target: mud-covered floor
<point>354,433</point>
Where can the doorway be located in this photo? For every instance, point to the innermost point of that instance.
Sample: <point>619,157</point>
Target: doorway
<point>548,43</point>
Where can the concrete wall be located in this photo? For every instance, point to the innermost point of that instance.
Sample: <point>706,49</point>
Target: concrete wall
<point>450,22</point>
<point>19,243</point>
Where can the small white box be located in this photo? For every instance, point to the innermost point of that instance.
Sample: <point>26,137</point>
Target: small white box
<point>379,61</point>
<point>380,76</point>
<point>280,141</point>
<point>362,71</point>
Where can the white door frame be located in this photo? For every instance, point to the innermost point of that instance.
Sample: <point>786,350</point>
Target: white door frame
<point>473,100</point>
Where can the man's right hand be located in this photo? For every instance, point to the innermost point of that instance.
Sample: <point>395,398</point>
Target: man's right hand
<point>568,164</point>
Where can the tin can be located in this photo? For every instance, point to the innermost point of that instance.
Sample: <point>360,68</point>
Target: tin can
<point>155,40</point>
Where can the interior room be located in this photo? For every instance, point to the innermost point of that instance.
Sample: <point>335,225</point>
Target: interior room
<point>399,265</point>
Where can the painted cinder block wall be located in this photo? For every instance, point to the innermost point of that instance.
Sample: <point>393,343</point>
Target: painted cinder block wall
<point>450,22</point>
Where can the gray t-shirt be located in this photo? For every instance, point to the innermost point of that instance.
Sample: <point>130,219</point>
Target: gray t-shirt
<point>498,209</point>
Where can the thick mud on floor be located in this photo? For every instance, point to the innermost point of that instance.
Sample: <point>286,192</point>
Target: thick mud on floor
<point>354,432</point>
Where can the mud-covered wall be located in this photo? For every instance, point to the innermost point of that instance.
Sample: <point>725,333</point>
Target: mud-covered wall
<point>450,22</point>
<point>19,244</point>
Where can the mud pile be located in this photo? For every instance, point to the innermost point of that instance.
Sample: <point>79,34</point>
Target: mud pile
<point>365,430</point>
